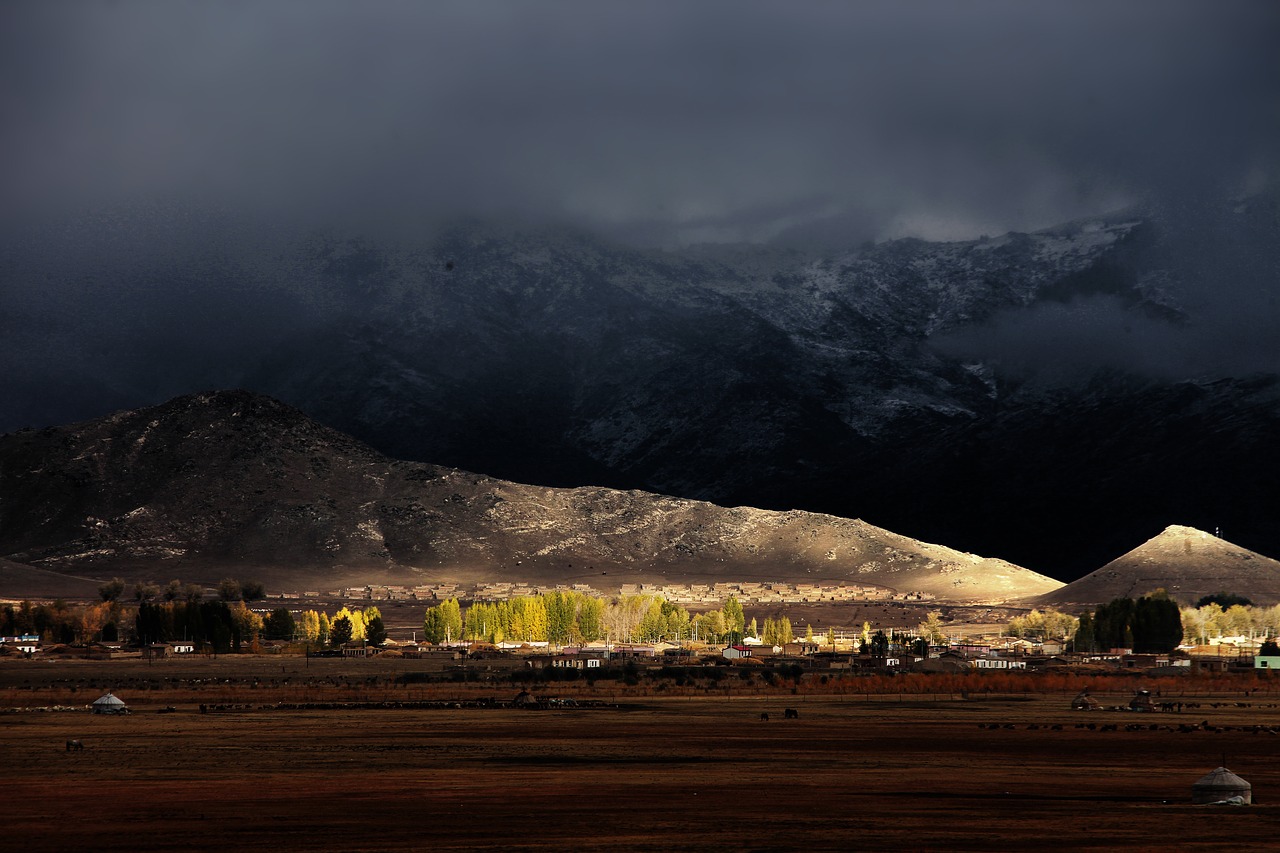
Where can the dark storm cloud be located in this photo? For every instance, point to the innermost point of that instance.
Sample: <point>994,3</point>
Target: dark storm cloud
<point>817,124</point>
<point>940,119</point>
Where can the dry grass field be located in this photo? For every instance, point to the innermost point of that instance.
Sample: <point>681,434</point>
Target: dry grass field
<point>648,771</point>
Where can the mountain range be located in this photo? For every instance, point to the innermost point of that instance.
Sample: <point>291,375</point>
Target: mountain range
<point>944,390</point>
<point>211,484</point>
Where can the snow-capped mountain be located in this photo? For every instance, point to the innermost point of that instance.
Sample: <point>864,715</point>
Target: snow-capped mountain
<point>881,381</point>
<point>557,357</point>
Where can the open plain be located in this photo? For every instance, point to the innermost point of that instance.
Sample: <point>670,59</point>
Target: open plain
<point>642,767</point>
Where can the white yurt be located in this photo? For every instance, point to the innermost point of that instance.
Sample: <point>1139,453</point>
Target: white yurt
<point>1221,785</point>
<point>110,704</point>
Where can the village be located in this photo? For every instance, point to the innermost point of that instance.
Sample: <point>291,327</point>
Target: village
<point>891,653</point>
<point>759,592</point>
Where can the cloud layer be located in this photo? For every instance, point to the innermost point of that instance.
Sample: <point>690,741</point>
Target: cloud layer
<point>709,120</point>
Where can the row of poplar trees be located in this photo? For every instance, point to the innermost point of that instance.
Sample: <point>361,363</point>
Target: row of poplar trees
<point>567,616</point>
<point>1151,624</point>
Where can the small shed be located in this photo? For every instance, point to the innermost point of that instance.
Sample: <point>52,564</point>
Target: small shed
<point>1220,786</point>
<point>110,704</point>
<point>1084,702</point>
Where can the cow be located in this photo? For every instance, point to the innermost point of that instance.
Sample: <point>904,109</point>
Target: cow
<point>764,718</point>
<point>790,714</point>
<point>74,746</point>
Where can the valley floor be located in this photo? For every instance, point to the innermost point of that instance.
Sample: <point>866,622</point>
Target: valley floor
<point>929,771</point>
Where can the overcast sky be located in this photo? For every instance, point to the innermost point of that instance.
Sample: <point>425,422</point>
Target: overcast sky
<point>721,120</point>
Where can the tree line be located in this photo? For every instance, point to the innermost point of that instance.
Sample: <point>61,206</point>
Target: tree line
<point>1215,617</point>
<point>1150,625</point>
<point>565,617</point>
<point>180,611</point>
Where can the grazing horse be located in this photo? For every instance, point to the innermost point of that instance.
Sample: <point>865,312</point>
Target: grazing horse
<point>764,718</point>
<point>74,746</point>
<point>790,714</point>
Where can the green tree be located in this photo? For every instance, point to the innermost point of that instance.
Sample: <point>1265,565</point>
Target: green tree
<point>1058,625</point>
<point>931,628</point>
<point>1238,620</point>
<point>675,621</point>
<point>308,626</point>
<point>248,624</point>
<point>217,626</point>
<point>433,625</point>
<point>229,590</point>
<point>153,623</point>
<point>709,626</point>
<point>777,632</point>
<point>476,621</point>
<point>253,590</point>
<point>1157,624</point>
<point>279,625</point>
<point>111,590</point>
<point>340,631</point>
<point>1085,639</point>
<point>1269,648</point>
<point>652,623</point>
<point>173,591</point>
<point>734,619</point>
<point>145,591</point>
<point>1225,600</point>
<point>1153,623</point>
<point>375,631</point>
<point>591,618</point>
<point>562,614</point>
<point>452,613</point>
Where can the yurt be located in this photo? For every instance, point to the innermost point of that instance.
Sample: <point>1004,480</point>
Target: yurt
<point>1084,702</point>
<point>1142,701</point>
<point>1221,785</point>
<point>110,704</point>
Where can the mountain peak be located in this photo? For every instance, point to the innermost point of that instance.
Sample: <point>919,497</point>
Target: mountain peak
<point>1185,562</point>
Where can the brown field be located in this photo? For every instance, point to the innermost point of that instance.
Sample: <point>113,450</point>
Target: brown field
<point>652,771</point>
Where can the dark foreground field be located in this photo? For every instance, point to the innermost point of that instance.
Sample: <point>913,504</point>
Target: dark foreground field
<point>648,773</point>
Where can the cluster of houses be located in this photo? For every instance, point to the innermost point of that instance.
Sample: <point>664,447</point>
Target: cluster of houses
<point>30,645</point>
<point>708,593</point>
<point>27,644</point>
<point>769,593</point>
<point>1018,656</point>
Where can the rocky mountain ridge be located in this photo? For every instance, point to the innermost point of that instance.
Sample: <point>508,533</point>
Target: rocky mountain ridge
<point>888,381</point>
<point>214,482</point>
